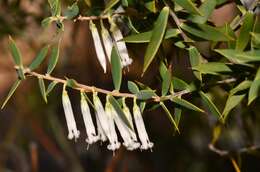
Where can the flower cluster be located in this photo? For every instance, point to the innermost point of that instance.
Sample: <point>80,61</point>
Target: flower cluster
<point>109,41</point>
<point>107,120</point>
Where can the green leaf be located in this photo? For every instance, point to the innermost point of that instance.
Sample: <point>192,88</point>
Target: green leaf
<point>211,106</point>
<point>46,22</point>
<point>157,37</point>
<point>116,68</point>
<point>239,57</point>
<point>189,6</point>
<point>146,36</point>
<point>89,101</point>
<point>54,58</point>
<point>119,111</point>
<point>39,58</point>
<point>145,94</point>
<point>16,54</point>
<point>132,87</point>
<point>72,11</point>
<point>110,5</point>
<point>125,3</point>
<point>71,83</point>
<point>253,91</point>
<point>206,32</point>
<point>11,92</point>
<point>179,84</point>
<point>195,60</point>
<point>177,114</point>
<point>20,73</point>
<point>51,87</point>
<point>142,106</point>
<point>42,89</point>
<point>245,29</point>
<point>55,7</point>
<point>166,78</point>
<point>168,113</point>
<point>212,68</point>
<point>206,9</point>
<point>231,103</point>
<point>240,87</point>
<point>151,6</point>
<point>186,104</point>
<point>256,39</point>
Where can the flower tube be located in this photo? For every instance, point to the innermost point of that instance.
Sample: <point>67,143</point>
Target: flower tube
<point>90,128</point>
<point>98,46</point>
<point>143,136</point>
<point>121,46</point>
<point>71,124</point>
<point>107,40</point>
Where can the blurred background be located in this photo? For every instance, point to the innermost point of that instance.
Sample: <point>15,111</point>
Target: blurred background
<point>33,135</point>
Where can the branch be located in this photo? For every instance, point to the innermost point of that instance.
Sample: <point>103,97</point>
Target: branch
<point>86,88</point>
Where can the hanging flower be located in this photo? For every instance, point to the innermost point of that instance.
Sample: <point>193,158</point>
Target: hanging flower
<point>143,136</point>
<point>98,46</point>
<point>121,46</point>
<point>130,120</point>
<point>72,128</point>
<point>107,40</point>
<point>113,139</point>
<point>90,128</point>
<point>102,119</point>
<point>129,143</point>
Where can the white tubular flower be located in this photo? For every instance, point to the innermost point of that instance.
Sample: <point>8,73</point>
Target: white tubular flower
<point>113,139</point>
<point>130,120</point>
<point>129,143</point>
<point>90,128</point>
<point>143,136</point>
<point>72,128</point>
<point>102,120</point>
<point>98,46</point>
<point>107,40</point>
<point>121,46</point>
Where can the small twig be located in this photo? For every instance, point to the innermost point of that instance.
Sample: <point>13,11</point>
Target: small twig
<point>222,152</point>
<point>177,22</point>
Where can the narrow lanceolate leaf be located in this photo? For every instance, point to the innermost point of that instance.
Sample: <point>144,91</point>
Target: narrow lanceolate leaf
<point>237,56</point>
<point>169,115</point>
<point>145,94</point>
<point>253,91</point>
<point>42,89</point>
<point>88,2</point>
<point>213,68</point>
<point>231,103</point>
<point>11,92</point>
<point>210,105</point>
<point>177,115</point>
<point>166,78</point>
<point>72,11</point>
<point>39,58</point>
<point>206,32</point>
<point>110,5</point>
<point>189,6</point>
<point>119,111</point>
<point>51,87</point>
<point>157,37</point>
<point>146,36</point>
<point>132,87</point>
<point>179,84</point>
<point>55,7</point>
<point>47,21</point>
<point>244,35</point>
<point>206,9</point>
<point>53,58</point>
<point>116,68</point>
<point>186,104</point>
<point>16,54</point>
<point>240,87</point>
<point>195,60</point>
